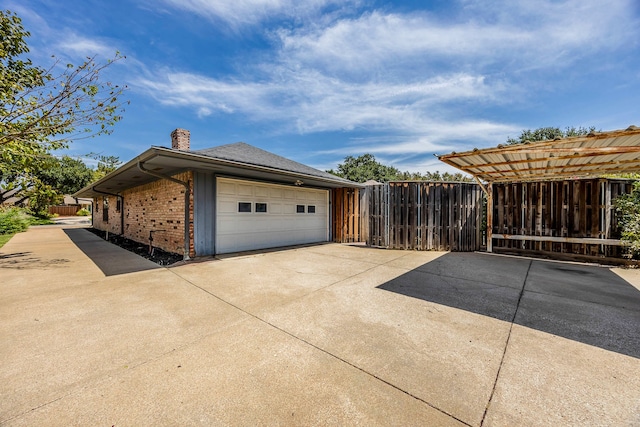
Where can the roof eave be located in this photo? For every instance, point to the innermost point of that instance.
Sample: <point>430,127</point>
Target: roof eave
<point>155,152</point>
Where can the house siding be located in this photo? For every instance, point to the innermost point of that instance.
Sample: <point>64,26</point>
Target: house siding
<point>114,224</point>
<point>157,207</point>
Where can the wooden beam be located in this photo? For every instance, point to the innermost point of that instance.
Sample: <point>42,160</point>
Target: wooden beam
<point>634,133</point>
<point>593,167</point>
<point>578,240</point>
<point>489,164</point>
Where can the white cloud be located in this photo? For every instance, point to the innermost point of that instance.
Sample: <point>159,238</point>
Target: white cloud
<point>432,137</point>
<point>531,34</point>
<point>247,12</point>
<point>65,44</point>
<point>315,103</point>
<point>79,46</point>
<point>402,77</point>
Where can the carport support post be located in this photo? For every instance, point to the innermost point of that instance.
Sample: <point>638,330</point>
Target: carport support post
<point>489,194</point>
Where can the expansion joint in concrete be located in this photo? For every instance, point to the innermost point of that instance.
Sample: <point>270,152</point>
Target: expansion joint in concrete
<point>323,350</point>
<point>506,344</point>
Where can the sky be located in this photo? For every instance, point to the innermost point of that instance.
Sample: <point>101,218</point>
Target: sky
<point>318,80</point>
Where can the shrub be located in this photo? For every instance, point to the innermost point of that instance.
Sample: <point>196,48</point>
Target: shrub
<point>39,221</point>
<point>13,220</point>
<point>628,210</point>
<point>83,212</point>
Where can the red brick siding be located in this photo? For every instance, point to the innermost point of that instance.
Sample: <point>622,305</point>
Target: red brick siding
<point>155,206</point>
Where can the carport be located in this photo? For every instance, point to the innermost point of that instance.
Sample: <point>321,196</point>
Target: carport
<point>591,157</point>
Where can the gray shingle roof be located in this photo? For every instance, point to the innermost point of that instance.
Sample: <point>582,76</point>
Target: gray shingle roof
<point>245,153</point>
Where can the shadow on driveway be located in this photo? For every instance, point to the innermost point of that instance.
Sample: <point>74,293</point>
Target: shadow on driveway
<point>109,258</point>
<point>589,304</point>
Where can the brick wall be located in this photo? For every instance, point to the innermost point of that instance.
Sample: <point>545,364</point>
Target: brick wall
<point>114,224</point>
<point>158,207</point>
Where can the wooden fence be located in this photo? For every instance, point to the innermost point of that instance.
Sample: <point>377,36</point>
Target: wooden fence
<point>347,214</point>
<point>68,210</point>
<point>561,217</point>
<point>575,218</point>
<point>425,216</point>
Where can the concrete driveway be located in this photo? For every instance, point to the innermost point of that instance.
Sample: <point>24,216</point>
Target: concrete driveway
<point>321,335</point>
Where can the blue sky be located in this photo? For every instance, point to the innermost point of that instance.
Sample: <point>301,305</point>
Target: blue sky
<point>318,80</point>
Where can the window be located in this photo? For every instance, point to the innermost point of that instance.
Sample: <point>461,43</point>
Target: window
<point>244,207</point>
<point>311,209</point>
<point>300,209</point>
<point>261,207</point>
<point>118,205</point>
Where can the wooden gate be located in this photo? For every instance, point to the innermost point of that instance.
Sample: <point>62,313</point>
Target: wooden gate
<point>425,216</point>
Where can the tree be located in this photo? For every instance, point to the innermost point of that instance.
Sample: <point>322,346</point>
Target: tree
<point>106,165</point>
<point>364,168</point>
<point>51,106</point>
<point>435,176</point>
<point>44,109</point>
<point>65,175</point>
<point>548,134</point>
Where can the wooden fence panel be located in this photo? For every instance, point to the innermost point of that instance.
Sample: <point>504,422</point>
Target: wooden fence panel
<point>425,216</point>
<point>69,210</point>
<point>346,215</point>
<point>566,212</point>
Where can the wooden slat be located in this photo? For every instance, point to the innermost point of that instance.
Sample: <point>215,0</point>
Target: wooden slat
<point>572,217</point>
<point>580,240</point>
<point>424,216</point>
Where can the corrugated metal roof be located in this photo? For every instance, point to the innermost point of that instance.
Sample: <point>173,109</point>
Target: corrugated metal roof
<point>593,155</point>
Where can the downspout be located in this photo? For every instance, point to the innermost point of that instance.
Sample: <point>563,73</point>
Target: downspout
<point>121,208</point>
<point>187,195</point>
<point>489,194</point>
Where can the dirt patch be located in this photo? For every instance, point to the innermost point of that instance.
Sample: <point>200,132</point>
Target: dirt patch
<point>158,256</point>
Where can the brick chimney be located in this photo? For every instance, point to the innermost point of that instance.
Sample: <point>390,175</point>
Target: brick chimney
<point>180,139</point>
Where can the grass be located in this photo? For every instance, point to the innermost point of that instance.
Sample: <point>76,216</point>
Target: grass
<point>4,238</point>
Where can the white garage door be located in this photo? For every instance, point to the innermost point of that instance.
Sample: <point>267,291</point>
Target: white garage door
<point>252,215</point>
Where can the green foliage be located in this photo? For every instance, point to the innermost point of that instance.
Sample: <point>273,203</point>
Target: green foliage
<point>66,175</point>
<point>42,110</point>
<point>628,209</point>
<point>549,134</point>
<point>4,238</point>
<point>40,221</point>
<point>41,196</point>
<point>626,175</point>
<point>13,220</point>
<point>48,107</point>
<point>366,167</point>
<point>434,177</point>
<point>83,212</point>
<point>106,165</point>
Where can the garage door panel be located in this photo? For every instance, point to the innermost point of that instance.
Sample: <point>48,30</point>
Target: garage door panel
<point>281,225</point>
<point>245,190</point>
<point>226,188</point>
<point>276,193</point>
